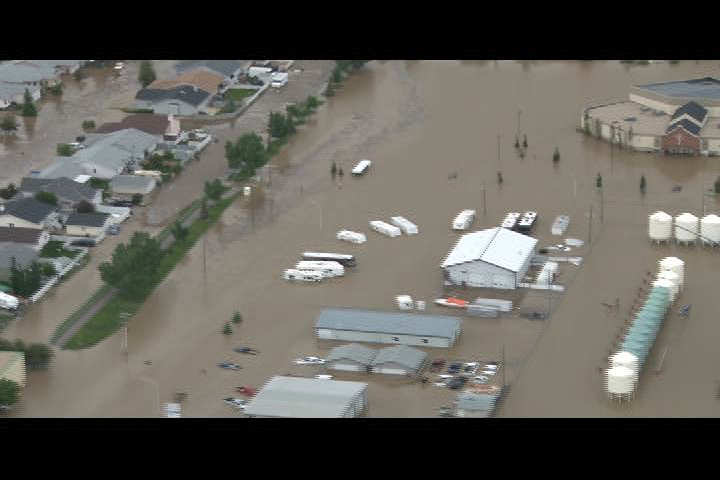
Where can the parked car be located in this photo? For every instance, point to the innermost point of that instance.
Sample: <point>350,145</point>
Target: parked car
<point>445,376</point>
<point>455,383</point>
<point>229,365</point>
<point>247,350</point>
<point>324,377</point>
<point>238,403</point>
<point>121,203</point>
<point>83,242</point>
<point>488,372</point>
<point>113,229</point>
<point>438,362</point>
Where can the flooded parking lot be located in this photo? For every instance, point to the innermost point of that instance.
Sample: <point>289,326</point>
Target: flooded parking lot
<point>420,122</point>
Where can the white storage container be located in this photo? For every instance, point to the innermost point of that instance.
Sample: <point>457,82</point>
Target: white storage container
<point>352,237</point>
<point>660,226</point>
<point>686,227</point>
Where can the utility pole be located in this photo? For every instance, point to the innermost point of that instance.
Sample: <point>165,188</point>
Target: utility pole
<point>482,186</point>
<point>498,143</point>
<point>590,225</point>
<point>602,203</point>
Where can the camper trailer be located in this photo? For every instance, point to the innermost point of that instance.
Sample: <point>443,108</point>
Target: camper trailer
<point>353,237</point>
<point>341,258</point>
<point>463,220</point>
<point>329,269</point>
<point>361,167</point>
<point>407,227</point>
<point>303,275</point>
<point>385,228</point>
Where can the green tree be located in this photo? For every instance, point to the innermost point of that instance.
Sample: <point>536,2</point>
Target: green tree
<point>336,76</point>
<point>65,150</point>
<point>83,206</point>
<point>48,269</point>
<point>643,184</point>
<point>136,199</point>
<point>133,267</point>
<point>47,197</point>
<point>227,329</point>
<point>88,125</point>
<point>598,181</point>
<point>340,172</point>
<point>33,277</point>
<point>556,155</point>
<point>179,231</point>
<point>333,170</point>
<point>312,103</point>
<point>214,189</point>
<point>329,91</point>
<point>237,318</point>
<point>204,213</point>
<point>17,278</point>
<point>586,122</point>
<point>146,75</point>
<point>717,185</point>
<point>28,107</point>
<point>499,177</point>
<point>248,152</point>
<point>56,89</point>
<point>38,355</point>
<point>8,124</point>
<point>9,392</point>
<point>524,141</point>
<point>9,191</point>
<point>279,125</point>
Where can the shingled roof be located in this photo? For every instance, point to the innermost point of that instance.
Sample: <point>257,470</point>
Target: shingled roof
<point>190,95</point>
<point>29,209</point>
<point>145,122</point>
<point>63,187</point>
<point>20,235</point>
<point>87,219</point>
<point>693,109</point>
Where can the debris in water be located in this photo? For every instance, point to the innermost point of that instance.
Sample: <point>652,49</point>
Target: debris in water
<point>574,242</point>
<point>452,176</point>
<point>677,188</point>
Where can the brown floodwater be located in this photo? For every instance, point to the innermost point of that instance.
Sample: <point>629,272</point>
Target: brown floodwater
<point>419,121</point>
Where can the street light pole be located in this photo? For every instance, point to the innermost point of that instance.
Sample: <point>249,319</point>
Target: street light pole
<point>157,388</point>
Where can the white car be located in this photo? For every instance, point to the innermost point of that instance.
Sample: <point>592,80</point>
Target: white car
<point>324,377</point>
<point>472,364</point>
<point>439,384</point>
<point>238,403</point>
<point>488,372</point>
<point>482,378</point>
<point>309,361</point>
<point>445,376</point>
<point>119,66</point>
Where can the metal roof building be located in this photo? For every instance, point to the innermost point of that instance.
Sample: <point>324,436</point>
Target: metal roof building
<point>352,357</point>
<point>297,397</point>
<point>494,258</point>
<point>399,360</point>
<point>387,327</point>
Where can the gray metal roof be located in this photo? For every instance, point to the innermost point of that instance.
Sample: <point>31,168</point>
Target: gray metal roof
<point>389,322</point>
<point>62,167</point>
<point>297,397</point>
<point>352,351</point>
<point>23,254</point>
<point>63,187</point>
<point>14,73</point>
<point>131,181</point>
<point>223,67</point>
<point>694,110</point>
<point>29,209</point>
<point>94,219</point>
<point>475,401</point>
<point>403,355</point>
<point>707,88</point>
<point>190,95</point>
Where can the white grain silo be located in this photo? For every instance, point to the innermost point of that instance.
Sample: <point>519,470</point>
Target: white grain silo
<point>686,228</point>
<point>676,265</point>
<point>625,359</point>
<point>710,229</point>
<point>672,277</point>
<point>620,382</point>
<point>660,227</point>
<point>669,285</point>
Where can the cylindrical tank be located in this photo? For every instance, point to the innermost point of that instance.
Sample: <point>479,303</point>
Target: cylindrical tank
<point>710,229</point>
<point>686,227</point>
<point>673,277</point>
<point>620,381</point>
<point>669,285</point>
<point>676,265</point>
<point>660,226</point>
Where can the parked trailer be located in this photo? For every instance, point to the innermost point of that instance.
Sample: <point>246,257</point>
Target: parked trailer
<point>405,225</point>
<point>329,269</point>
<point>560,224</point>
<point>385,228</point>
<point>502,305</point>
<point>361,167</point>
<point>303,275</point>
<point>349,236</point>
<point>463,220</point>
<point>510,220</point>
<point>527,221</point>
<point>343,259</point>
<point>8,301</point>
<point>482,311</point>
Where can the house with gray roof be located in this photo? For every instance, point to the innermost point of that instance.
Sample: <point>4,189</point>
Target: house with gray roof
<point>351,357</point>
<point>297,397</point>
<point>399,328</point>
<point>399,360</point>
<point>28,212</point>
<point>107,155</point>
<point>35,238</point>
<point>24,255</point>
<point>129,185</point>
<point>15,93</point>
<point>181,100</point>
<point>68,192</point>
<point>87,224</point>
<point>230,69</point>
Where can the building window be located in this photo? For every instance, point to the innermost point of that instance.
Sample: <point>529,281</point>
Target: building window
<point>396,339</point>
<point>704,144</point>
<point>425,340</point>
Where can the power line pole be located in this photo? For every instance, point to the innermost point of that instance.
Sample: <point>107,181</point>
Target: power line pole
<point>590,225</point>
<point>602,203</point>
<point>484,203</point>
<point>498,143</point>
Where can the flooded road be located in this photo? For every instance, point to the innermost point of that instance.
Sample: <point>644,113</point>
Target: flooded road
<point>420,121</point>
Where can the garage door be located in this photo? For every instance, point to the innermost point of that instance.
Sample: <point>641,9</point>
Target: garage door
<point>477,280</point>
<point>503,281</point>
<point>350,368</point>
<point>391,371</point>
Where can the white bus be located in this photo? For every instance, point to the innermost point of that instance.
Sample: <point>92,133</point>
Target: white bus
<point>342,259</point>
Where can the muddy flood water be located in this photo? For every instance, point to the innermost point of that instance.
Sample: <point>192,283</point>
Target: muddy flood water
<point>420,122</point>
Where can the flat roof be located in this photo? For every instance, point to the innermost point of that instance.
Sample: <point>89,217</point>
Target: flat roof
<point>298,397</point>
<point>389,322</point>
<point>706,87</point>
<point>646,122</point>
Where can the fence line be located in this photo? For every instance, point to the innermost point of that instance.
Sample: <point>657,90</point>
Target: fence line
<point>57,277</point>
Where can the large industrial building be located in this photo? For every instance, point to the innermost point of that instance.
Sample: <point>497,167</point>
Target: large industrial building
<point>679,117</point>
<point>492,258</point>
<point>388,327</point>
<point>297,397</point>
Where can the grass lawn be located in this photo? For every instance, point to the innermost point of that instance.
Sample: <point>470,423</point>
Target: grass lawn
<point>106,321</point>
<point>239,93</point>
<point>54,249</point>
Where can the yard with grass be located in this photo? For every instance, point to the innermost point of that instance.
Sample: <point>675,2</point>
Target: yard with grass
<point>238,94</point>
<point>55,249</point>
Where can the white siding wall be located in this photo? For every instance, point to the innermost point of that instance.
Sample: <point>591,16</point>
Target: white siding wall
<point>384,338</point>
<point>81,230</point>
<point>481,274</point>
<point>643,142</point>
<point>7,220</point>
<point>714,145</point>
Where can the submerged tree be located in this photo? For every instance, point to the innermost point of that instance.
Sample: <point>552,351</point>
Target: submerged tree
<point>8,124</point>
<point>598,181</point>
<point>642,184</point>
<point>146,75</point>
<point>227,329</point>
<point>333,170</point>
<point>237,318</point>
<point>499,177</point>
<point>717,185</point>
<point>524,141</point>
<point>28,107</point>
<point>556,155</point>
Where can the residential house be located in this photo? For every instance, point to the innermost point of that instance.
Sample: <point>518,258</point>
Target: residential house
<point>68,192</point>
<point>12,367</point>
<point>182,100</point>
<point>87,224</point>
<point>35,238</point>
<point>229,69</point>
<point>199,78</point>
<point>29,212</point>
<point>106,156</point>
<point>23,255</point>
<point>125,186</point>
<point>15,93</point>
<point>155,125</point>
<point>399,360</point>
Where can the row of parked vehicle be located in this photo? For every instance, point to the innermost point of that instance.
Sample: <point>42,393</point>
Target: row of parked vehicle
<point>316,267</point>
<point>459,373</point>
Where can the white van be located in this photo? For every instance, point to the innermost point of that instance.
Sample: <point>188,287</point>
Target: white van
<point>353,237</point>
<point>329,269</point>
<point>303,275</point>
<point>8,301</point>
<point>361,167</point>
<point>278,79</point>
<point>463,220</point>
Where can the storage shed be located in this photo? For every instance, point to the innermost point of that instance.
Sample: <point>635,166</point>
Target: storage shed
<point>351,357</point>
<point>399,360</point>
<point>491,258</point>
<point>297,397</point>
<point>388,327</point>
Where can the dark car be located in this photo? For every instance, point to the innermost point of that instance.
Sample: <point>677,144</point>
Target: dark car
<point>247,350</point>
<point>121,203</point>
<point>455,383</point>
<point>83,243</point>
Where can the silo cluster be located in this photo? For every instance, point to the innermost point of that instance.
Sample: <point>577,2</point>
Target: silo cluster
<point>685,228</point>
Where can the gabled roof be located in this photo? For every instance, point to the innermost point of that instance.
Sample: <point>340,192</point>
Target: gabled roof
<point>145,122</point>
<point>498,246</point>
<point>408,357</point>
<point>23,254</point>
<point>94,219</point>
<point>352,351</point>
<point>62,187</point>
<point>692,109</point>
<point>200,78</point>
<point>690,127</point>
<point>223,67</point>
<point>389,322</point>
<point>20,235</point>
<point>30,209</point>
<point>190,95</point>
<point>132,181</point>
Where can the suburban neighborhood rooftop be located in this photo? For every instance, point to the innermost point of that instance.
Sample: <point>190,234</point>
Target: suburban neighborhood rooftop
<point>706,87</point>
